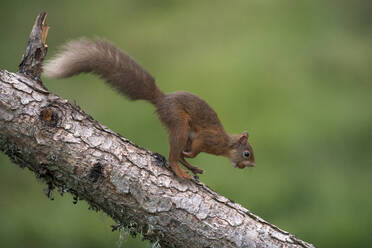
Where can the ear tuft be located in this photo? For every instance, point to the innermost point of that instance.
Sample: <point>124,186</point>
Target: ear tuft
<point>243,138</point>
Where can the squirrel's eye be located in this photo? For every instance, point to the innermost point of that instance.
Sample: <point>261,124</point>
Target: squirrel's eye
<point>246,154</point>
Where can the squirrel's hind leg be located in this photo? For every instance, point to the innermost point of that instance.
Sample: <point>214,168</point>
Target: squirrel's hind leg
<point>178,135</point>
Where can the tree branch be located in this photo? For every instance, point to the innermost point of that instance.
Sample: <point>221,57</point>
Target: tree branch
<point>36,49</point>
<point>70,150</point>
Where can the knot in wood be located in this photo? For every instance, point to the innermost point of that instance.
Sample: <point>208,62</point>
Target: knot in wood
<point>49,117</point>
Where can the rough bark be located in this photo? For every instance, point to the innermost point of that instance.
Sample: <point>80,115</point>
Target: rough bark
<point>66,147</point>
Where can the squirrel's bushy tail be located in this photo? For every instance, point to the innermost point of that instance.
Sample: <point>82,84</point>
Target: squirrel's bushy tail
<point>104,59</point>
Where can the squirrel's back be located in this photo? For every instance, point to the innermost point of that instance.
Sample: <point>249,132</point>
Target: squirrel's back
<point>198,110</point>
<point>104,59</point>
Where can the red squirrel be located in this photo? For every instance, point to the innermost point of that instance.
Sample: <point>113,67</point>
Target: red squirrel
<point>192,124</point>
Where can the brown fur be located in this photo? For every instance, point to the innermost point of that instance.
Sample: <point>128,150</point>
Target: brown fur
<point>193,125</point>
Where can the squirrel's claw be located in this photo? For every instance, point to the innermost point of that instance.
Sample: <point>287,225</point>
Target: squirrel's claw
<point>197,171</point>
<point>183,174</point>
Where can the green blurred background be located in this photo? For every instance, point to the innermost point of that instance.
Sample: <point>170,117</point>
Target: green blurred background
<point>295,74</point>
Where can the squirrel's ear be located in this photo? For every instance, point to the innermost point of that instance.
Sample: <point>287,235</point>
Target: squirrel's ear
<point>243,138</point>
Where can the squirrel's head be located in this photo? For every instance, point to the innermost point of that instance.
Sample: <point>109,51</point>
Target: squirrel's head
<point>241,152</point>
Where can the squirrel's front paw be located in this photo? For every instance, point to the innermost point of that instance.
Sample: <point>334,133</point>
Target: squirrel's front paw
<point>188,154</point>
